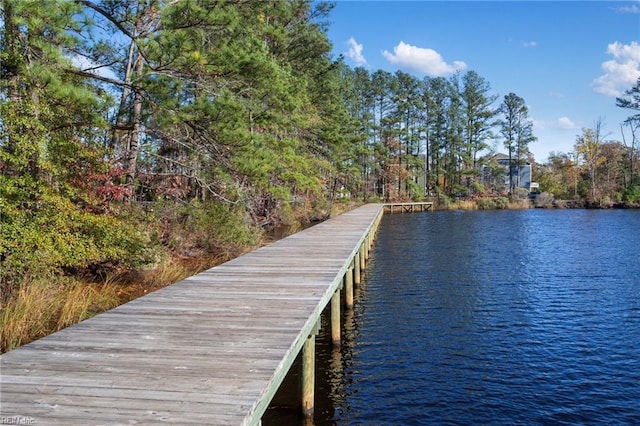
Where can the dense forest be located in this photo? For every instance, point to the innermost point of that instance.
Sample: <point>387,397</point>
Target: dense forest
<point>135,131</point>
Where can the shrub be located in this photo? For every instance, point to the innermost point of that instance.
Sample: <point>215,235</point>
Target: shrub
<point>443,201</point>
<point>544,200</point>
<point>414,189</point>
<point>45,232</point>
<point>501,203</point>
<point>461,191</point>
<point>632,194</point>
<point>202,228</point>
<point>224,223</point>
<point>478,188</point>
<point>486,204</point>
<point>520,193</point>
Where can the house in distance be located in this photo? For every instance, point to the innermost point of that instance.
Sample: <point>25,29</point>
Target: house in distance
<point>500,177</point>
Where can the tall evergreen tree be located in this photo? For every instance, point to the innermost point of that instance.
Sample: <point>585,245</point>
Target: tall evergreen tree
<point>48,116</point>
<point>407,119</point>
<point>359,101</point>
<point>478,117</point>
<point>454,138</point>
<point>517,131</point>
<point>436,98</point>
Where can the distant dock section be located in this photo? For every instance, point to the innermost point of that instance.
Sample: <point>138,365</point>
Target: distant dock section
<point>408,207</point>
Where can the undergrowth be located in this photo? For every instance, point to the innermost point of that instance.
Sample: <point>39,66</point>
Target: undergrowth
<point>60,265</point>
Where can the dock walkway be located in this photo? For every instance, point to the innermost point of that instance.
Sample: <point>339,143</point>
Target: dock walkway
<point>211,349</point>
<point>408,207</point>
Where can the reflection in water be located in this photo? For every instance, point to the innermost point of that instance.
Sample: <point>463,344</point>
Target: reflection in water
<point>502,317</point>
<point>331,364</point>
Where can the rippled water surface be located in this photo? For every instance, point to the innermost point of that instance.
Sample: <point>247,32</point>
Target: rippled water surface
<point>496,317</point>
<point>500,317</point>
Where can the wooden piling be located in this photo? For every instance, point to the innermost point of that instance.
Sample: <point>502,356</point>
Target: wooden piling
<point>356,269</point>
<point>335,318</point>
<point>367,245</point>
<point>309,373</point>
<point>348,288</point>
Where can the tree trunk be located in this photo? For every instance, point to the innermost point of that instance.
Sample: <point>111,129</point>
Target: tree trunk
<point>121,120</point>
<point>134,137</point>
<point>11,68</point>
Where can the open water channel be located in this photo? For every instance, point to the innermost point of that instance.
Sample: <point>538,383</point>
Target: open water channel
<point>489,317</point>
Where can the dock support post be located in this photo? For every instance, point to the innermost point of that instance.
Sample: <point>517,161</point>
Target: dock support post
<point>363,256</point>
<point>367,245</point>
<point>335,318</point>
<point>309,373</point>
<point>348,288</point>
<point>356,269</point>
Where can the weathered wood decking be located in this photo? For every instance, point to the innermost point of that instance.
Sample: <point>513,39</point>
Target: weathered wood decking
<point>211,349</point>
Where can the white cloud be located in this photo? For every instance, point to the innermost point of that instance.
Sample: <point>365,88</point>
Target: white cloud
<point>621,72</point>
<point>422,60</point>
<point>355,52</point>
<point>530,43</point>
<point>632,9</point>
<point>562,123</point>
<point>565,123</point>
<point>86,64</point>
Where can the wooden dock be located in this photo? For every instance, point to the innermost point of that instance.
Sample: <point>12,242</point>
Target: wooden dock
<point>211,349</point>
<point>408,207</point>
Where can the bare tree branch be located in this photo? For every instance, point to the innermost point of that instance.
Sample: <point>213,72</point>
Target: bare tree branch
<point>107,15</point>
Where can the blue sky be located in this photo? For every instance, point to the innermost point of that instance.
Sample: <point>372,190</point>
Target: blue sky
<point>567,59</point>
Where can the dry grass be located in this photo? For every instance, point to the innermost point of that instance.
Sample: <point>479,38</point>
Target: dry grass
<point>486,203</point>
<point>467,205</point>
<point>458,205</point>
<point>519,204</point>
<point>80,301</point>
<point>134,284</point>
<point>40,307</point>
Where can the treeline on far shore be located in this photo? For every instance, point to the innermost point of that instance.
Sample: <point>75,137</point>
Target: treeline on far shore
<point>543,200</point>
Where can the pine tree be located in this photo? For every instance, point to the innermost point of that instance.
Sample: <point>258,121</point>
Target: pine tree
<point>517,131</point>
<point>478,117</point>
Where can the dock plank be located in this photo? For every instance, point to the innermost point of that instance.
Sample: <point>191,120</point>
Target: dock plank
<point>211,349</point>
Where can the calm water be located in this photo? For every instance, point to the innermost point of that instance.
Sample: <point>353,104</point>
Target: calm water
<point>497,317</point>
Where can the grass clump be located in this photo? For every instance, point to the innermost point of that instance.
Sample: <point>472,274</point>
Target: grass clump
<point>39,307</point>
<point>482,203</point>
<point>519,204</point>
